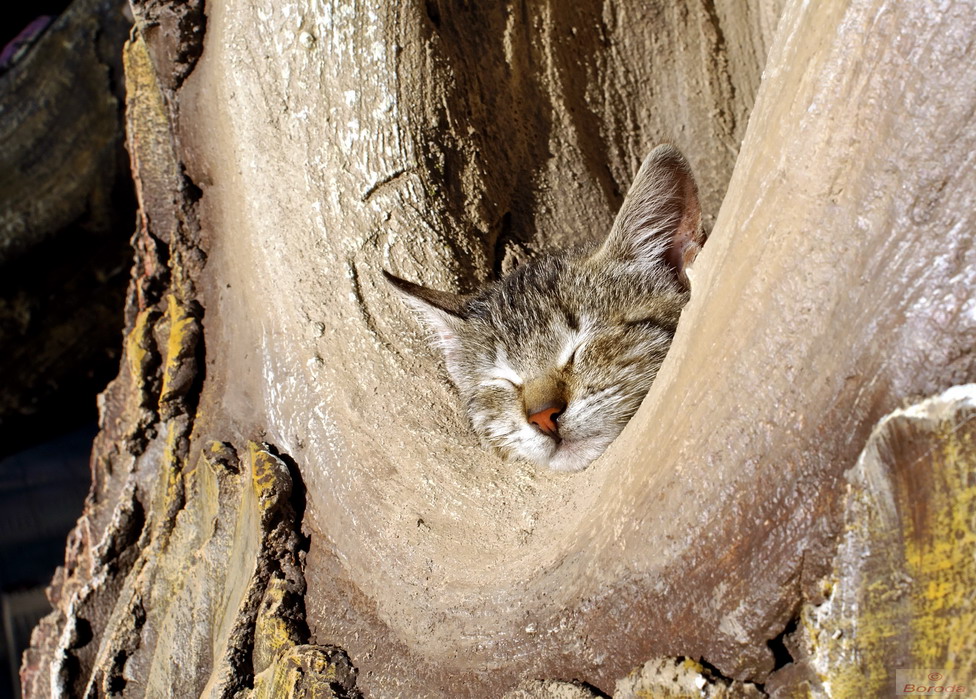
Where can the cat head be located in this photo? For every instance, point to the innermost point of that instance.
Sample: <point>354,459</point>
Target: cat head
<point>554,359</point>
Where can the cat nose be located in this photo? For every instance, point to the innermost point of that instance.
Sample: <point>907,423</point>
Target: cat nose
<point>545,419</point>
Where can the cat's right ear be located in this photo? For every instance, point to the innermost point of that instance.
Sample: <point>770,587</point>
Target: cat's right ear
<point>660,222</point>
<point>440,310</point>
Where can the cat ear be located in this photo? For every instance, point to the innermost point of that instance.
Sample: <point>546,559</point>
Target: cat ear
<point>440,310</point>
<point>660,220</point>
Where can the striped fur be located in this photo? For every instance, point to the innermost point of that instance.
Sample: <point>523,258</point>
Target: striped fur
<point>587,330</point>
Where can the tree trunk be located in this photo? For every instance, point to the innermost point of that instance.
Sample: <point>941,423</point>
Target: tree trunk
<point>283,470</point>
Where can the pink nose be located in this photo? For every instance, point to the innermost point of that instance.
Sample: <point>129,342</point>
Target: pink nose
<point>545,420</point>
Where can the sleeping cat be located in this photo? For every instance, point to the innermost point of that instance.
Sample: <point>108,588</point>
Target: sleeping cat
<point>554,359</point>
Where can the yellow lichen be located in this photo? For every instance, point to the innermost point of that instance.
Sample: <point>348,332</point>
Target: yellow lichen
<point>941,558</point>
<point>268,475</point>
<point>903,593</point>
<point>148,131</point>
<point>272,634</point>
<point>179,343</point>
<point>303,671</point>
<point>138,344</point>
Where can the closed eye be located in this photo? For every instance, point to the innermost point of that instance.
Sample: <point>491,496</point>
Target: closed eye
<point>504,377</point>
<point>570,352</point>
<point>575,341</point>
<point>499,383</point>
<point>572,357</point>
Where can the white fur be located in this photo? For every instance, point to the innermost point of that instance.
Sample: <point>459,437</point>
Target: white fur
<point>503,369</point>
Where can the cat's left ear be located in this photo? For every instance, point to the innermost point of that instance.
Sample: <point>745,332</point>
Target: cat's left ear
<point>441,311</point>
<point>660,220</point>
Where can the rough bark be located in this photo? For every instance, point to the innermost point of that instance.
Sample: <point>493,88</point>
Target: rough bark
<point>66,211</point>
<point>311,146</point>
<point>897,607</point>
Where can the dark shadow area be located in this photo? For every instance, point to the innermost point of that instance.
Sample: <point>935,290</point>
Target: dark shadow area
<point>67,211</point>
<point>781,653</point>
<point>61,307</point>
<point>23,21</point>
<point>67,208</point>
<point>42,490</point>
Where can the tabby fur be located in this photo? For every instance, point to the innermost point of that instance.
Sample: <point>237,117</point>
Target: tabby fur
<point>579,336</point>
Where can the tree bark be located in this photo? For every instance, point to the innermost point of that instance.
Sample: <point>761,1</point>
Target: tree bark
<point>306,483</point>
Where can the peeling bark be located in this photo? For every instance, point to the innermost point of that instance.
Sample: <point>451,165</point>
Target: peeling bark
<point>899,595</point>
<point>309,147</point>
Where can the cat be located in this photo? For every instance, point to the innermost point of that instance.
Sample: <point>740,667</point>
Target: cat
<point>554,359</point>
